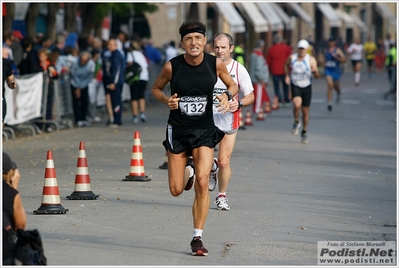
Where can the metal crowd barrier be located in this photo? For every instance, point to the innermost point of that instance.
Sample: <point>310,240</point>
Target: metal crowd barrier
<point>62,108</point>
<point>62,103</point>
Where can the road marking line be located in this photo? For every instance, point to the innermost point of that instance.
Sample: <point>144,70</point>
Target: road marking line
<point>387,103</point>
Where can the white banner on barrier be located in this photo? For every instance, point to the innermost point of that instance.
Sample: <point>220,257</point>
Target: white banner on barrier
<point>25,101</point>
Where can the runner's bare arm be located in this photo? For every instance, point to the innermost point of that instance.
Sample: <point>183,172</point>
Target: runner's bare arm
<point>313,67</point>
<point>157,89</point>
<point>287,70</point>
<point>232,87</point>
<point>341,55</point>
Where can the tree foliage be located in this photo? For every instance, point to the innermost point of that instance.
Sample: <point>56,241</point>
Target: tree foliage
<point>92,14</point>
<point>99,10</point>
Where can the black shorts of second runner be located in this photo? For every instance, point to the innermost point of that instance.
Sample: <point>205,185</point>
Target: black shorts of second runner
<point>370,62</point>
<point>304,92</point>
<point>185,139</point>
<point>137,90</point>
<point>354,62</point>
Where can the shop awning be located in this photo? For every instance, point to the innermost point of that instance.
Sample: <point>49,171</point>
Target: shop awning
<point>254,15</point>
<point>362,26</point>
<point>288,22</point>
<point>385,12</point>
<point>271,16</point>
<point>330,14</point>
<point>231,15</point>
<point>303,14</point>
<point>349,21</point>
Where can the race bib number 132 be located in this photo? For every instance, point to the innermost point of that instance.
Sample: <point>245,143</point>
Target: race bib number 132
<point>193,105</point>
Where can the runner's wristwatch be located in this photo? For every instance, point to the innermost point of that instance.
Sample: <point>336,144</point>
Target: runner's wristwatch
<point>228,95</point>
<point>240,104</point>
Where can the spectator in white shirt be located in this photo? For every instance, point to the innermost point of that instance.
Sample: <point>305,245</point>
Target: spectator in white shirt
<point>171,51</point>
<point>137,89</point>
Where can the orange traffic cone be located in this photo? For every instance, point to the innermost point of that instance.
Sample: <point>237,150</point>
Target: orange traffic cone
<point>267,107</point>
<point>82,178</point>
<point>51,203</point>
<point>242,123</point>
<point>137,162</point>
<point>248,119</point>
<point>260,116</point>
<point>275,103</point>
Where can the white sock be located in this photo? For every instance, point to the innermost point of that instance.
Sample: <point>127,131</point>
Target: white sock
<point>190,168</point>
<point>330,103</point>
<point>197,232</point>
<point>222,193</point>
<point>357,77</point>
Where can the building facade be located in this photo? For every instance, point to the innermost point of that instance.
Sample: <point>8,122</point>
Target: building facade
<point>249,21</point>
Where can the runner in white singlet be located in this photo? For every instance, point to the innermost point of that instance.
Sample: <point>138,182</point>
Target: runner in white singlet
<point>230,121</point>
<point>299,68</point>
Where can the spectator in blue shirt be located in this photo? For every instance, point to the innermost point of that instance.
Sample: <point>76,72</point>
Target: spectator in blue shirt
<point>152,54</point>
<point>113,71</point>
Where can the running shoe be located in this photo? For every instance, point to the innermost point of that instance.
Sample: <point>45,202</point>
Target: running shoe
<point>287,104</point>
<point>221,203</point>
<point>143,118</point>
<point>295,128</point>
<point>109,122</point>
<point>197,247</point>
<point>304,138</point>
<point>164,165</point>
<point>213,177</point>
<point>329,107</point>
<point>94,119</point>
<point>86,123</point>
<point>135,120</point>
<point>113,125</point>
<point>190,181</point>
<point>97,119</point>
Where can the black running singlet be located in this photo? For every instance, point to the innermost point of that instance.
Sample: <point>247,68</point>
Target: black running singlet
<point>194,86</point>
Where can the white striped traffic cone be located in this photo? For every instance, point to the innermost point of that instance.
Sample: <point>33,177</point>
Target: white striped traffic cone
<point>137,172</point>
<point>82,178</point>
<point>51,203</point>
<point>275,103</point>
<point>242,123</point>
<point>248,119</point>
<point>260,116</point>
<point>267,107</point>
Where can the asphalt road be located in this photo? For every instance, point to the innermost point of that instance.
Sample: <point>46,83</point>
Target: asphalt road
<point>284,196</point>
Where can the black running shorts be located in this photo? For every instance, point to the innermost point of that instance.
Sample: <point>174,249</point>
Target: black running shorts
<point>354,62</point>
<point>305,93</point>
<point>137,90</point>
<point>180,140</point>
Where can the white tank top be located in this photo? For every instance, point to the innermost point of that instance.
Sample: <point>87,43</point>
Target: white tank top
<point>356,51</point>
<point>301,74</point>
<point>230,122</point>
